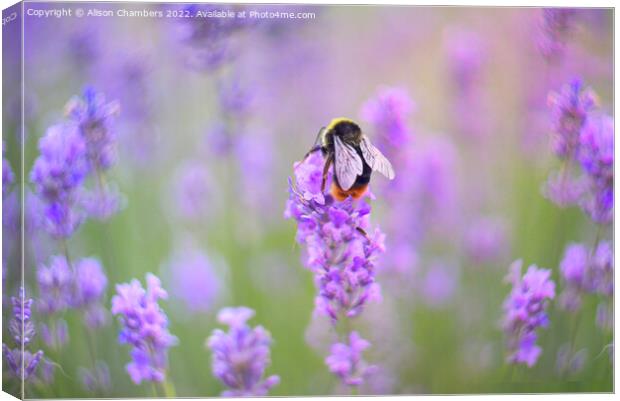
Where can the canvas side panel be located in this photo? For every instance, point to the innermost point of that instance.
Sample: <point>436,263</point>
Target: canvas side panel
<point>12,175</point>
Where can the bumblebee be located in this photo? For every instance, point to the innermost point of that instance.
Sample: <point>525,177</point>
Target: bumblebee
<point>354,158</point>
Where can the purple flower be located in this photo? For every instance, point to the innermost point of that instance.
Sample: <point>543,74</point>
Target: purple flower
<point>207,39</point>
<point>586,271</point>
<point>94,119</point>
<point>388,112</point>
<point>255,154</point>
<point>596,154</point>
<point>570,108</point>
<point>234,98</point>
<point>22,365</point>
<point>90,282</point>
<point>55,285</point>
<point>569,361</point>
<point>145,327</point>
<point>57,174</point>
<point>340,256</point>
<point>564,190</point>
<point>575,264</point>
<point>485,240</point>
<point>7,174</point>
<point>345,360</point>
<point>55,336</point>
<point>466,58</point>
<point>13,358</point>
<point>193,191</point>
<point>21,328</point>
<point>525,311</point>
<point>603,269</point>
<point>194,280</point>
<point>439,284</point>
<point>555,26</point>
<point>103,202</point>
<point>241,355</point>
<point>97,378</point>
<point>597,147</point>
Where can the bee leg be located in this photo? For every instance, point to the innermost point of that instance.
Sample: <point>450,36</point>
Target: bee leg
<point>311,151</point>
<point>328,163</point>
<point>361,231</point>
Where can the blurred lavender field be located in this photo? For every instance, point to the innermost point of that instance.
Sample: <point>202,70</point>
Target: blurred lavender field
<point>173,246</point>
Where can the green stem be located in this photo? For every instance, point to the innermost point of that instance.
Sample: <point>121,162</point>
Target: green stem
<point>154,390</point>
<point>168,388</point>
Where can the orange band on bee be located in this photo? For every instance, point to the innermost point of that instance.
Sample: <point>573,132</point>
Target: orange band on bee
<point>356,192</point>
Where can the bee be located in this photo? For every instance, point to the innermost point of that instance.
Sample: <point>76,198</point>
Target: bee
<point>354,158</point>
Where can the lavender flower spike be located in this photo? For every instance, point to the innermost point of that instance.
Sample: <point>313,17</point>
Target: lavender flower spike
<point>525,311</point>
<point>22,331</point>
<point>89,288</point>
<point>570,108</point>
<point>345,360</point>
<point>596,155</point>
<point>57,174</point>
<point>94,119</point>
<point>55,285</point>
<point>341,258</point>
<point>241,355</point>
<point>7,174</point>
<point>145,327</point>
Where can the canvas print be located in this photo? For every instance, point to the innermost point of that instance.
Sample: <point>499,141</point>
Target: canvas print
<point>205,200</point>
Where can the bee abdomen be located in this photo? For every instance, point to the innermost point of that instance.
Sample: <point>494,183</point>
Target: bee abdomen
<point>356,191</point>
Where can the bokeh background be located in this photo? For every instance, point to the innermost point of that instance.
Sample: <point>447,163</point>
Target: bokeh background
<point>212,116</point>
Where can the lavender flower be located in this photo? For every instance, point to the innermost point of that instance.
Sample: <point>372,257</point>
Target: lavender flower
<point>574,264</point>
<point>94,119</point>
<point>208,40</point>
<point>194,279</point>
<point>55,285</point>
<point>466,55</point>
<point>103,202</point>
<point>341,258</point>
<point>586,271</point>
<point>388,113</point>
<point>241,355</point>
<point>466,58</point>
<point>569,110</point>
<point>345,360</point>
<point>7,175</point>
<point>90,283</point>
<point>22,365</point>
<point>525,311</point>
<point>255,153</point>
<point>235,98</point>
<point>603,270</point>
<point>556,25</point>
<point>439,284</point>
<point>145,328</point>
<point>596,154</point>
<point>193,190</point>
<point>97,378</point>
<point>568,361</point>
<point>57,174</point>
<point>56,335</point>
<point>485,240</point>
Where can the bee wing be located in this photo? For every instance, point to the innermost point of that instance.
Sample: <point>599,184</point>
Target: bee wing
<point>348,164</point>
<point>375,159</point>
